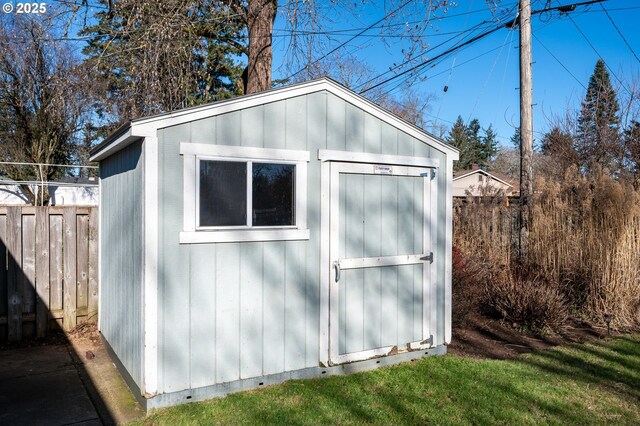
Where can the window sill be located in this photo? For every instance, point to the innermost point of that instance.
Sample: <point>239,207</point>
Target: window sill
<point>235,236</point>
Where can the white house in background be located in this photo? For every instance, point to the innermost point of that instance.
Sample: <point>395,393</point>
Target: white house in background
<point>478,182</point>
<point>64,191</point>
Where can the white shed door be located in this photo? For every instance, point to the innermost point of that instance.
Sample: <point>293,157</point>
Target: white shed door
<point>380,297</point>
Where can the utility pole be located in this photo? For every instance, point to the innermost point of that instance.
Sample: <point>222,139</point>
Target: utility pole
<point>526,128</point>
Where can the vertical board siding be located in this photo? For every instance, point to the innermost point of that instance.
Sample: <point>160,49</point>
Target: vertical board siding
<point>122,253</point>
<point>295,305</point>
<point>227,312</point>
<point>203,315</point>
<point>238,310</point>
<point>440,249</point>
<point>273,294</point>
<point>33,278</point>
<point>174,266</point>
<point>251,339</point>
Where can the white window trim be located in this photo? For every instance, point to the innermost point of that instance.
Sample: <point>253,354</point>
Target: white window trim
<point>192,233</point>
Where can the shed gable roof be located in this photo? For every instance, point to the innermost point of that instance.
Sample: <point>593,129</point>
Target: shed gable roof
<point>148,126</point>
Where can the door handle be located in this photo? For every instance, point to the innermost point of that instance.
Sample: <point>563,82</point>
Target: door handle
<point>336,267</point>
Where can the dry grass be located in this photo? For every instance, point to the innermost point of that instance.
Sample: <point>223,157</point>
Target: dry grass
<point>584,243</point>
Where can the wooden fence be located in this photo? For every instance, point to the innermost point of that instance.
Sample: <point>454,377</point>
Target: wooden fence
<point>49,272</point>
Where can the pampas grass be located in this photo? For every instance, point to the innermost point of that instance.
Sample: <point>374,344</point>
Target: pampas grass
<point>584,241</point>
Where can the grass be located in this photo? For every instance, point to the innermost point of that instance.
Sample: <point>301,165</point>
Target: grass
<point>594,383</point>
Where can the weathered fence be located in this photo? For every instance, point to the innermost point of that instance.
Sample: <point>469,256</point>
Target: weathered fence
<point>49,269</point>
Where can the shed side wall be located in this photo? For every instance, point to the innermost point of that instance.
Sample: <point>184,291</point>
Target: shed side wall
<point>231,311</point>
<point>122,251</point>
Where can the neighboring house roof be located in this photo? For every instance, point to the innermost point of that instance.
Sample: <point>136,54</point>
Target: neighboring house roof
<point>501,178</point>
<point>147,126</point>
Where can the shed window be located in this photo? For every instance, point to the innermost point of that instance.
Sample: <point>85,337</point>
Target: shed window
<point>243,194</point>
<point>225,191</point>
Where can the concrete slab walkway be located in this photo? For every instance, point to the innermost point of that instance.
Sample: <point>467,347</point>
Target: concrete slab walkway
<point>64,384</point>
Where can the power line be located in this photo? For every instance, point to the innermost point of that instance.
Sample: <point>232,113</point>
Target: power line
<point>598,53</point>
<point>395,67</point>
<point>346,42</point>
<point>619,32</point>
<point>558,60</point>
<point>428,61</point>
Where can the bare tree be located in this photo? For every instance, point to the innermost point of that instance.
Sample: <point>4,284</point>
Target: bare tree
<point>44,100</point>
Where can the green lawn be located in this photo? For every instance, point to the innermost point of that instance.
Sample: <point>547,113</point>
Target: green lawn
<point>595,383</point>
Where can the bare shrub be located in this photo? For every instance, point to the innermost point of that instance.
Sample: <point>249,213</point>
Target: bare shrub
<point>469,277</point>
<point>531,303</point>
<point>584,244</point>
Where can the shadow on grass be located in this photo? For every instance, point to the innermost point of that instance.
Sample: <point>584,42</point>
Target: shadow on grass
<point>595,363</point>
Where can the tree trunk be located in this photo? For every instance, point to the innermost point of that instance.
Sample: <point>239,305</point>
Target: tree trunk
<point>260,17</point>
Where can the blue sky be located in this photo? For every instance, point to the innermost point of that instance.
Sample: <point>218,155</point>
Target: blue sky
<point>482,79</point>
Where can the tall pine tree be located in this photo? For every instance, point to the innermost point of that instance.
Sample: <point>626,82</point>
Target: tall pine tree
<point>459,138</point>
<point>474,147</point>
<point>598,139</point>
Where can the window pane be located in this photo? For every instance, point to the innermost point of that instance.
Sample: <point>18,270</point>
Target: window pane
<point>223,193</point>
<point>273,194</point>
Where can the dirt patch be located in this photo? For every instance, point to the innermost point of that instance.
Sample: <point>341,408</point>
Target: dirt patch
<point>482,337</point>
<point>52,338</point>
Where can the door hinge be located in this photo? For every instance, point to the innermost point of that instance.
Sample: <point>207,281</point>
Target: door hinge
<point>428,341</point>
<point>428,257</point>
<point>431,174</point>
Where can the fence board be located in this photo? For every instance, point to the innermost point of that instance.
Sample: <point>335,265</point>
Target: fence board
<point>55,261</point>
<point>93,265</point>
<point>82,260</point>
<point>3,273</point>
<point>70,288</point>
<point>14,282</point>
<point>29,271</point>
<point>48,269</point>
<point>42,270</point>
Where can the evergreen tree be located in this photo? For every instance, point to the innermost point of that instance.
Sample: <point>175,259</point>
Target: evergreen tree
<point>489,144</point>
<point>597,140</point>
<point>558,147</point>
<point>153,57</point>
<point>515,139</point>
<point>459,138</point>
<point>474,148</point>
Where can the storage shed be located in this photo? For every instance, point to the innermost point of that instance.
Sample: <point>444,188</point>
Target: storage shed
<point>292,233</point>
